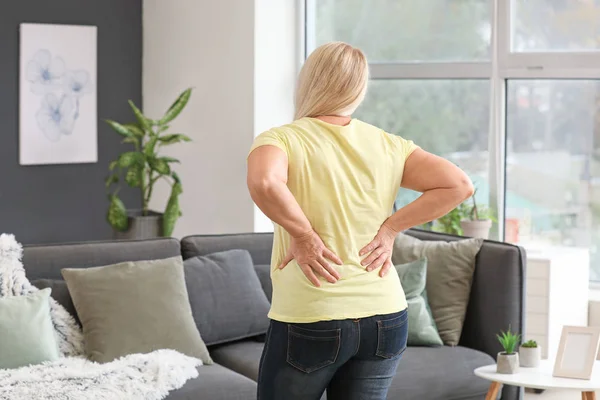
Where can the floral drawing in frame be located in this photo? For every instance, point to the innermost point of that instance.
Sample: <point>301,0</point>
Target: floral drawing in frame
<point>58,100</point>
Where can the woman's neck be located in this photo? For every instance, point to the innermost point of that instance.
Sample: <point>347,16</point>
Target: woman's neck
<point>335,119</point>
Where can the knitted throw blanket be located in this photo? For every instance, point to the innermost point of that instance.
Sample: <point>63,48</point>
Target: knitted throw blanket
<point>13,282</point>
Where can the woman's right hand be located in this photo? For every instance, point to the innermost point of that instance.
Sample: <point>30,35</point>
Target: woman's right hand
<point>311,254</point>
<point>379,252</point>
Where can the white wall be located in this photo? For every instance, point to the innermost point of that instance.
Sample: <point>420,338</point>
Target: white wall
<point>210,45</point>
<point>277,59</point>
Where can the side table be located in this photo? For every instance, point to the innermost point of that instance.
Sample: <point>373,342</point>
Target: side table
<point>539,378</point>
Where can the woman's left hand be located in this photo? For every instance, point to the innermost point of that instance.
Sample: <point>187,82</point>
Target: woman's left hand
<point>379,250</point>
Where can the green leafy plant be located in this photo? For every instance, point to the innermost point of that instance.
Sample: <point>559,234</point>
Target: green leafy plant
<point>530,344</point>
<point>143,166</point>
<point>450,223</point>
<point>509,341</point>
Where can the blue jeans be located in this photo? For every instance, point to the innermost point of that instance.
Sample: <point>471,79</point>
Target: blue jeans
<point>352,359</point>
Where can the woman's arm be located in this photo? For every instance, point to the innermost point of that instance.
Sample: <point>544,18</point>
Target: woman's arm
<point>267,182</point>
<point>444,186</point>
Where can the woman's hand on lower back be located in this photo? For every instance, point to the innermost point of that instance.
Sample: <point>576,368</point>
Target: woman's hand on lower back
<point>379,252</point>
<point>312,256</point>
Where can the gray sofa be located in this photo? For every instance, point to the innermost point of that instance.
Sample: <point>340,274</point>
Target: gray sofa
<point>444,373</point>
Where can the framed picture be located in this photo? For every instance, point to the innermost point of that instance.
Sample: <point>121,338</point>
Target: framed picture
<point>577,352</point>
<point>57,94</point>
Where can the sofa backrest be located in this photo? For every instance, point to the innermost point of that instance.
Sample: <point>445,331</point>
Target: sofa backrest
<point>497,294</point>
<point>259,245</point>
<point>46,261</point>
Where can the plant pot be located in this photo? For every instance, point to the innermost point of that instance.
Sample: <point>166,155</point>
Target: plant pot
<point>477,229</point>
<point>530,356</point>
<point>507,363</point>
<point>141,226</point>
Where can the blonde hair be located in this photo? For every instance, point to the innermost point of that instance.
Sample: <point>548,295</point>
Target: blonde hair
<point>333,81</point>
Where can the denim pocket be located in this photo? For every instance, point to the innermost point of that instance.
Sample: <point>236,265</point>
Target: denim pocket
<point>309,350</point>
<point>392,335</point>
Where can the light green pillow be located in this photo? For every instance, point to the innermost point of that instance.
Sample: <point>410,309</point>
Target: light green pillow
<point>26,330</point>
<point>421,326</point>
<point>450,268</point>
<point>135,307</point>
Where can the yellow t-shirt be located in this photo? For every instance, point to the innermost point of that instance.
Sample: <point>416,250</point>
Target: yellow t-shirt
<point>345,179</point>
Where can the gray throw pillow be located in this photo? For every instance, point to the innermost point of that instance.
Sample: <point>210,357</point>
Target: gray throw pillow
<point>421,326</point>
<point>264,275</point>
<point>135,307</point>
<point>450,268</point>
<point>26,332</point>
<point>226,296</point>
<point>60,293</point>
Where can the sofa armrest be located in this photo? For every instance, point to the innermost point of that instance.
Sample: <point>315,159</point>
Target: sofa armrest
<point>497,298</point>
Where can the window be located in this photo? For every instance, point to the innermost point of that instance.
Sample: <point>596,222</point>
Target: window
<point>555,25</point>
<point>424,30</point>
<point>509,90</point>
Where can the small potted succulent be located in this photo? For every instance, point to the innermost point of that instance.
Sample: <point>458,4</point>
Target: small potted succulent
<point>478,221</point>
<point>530,354</point>
<point>508,360</point>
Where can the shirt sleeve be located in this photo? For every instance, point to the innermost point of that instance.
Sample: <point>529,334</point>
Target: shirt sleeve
<point>406,147</point>
<point>269,138</point>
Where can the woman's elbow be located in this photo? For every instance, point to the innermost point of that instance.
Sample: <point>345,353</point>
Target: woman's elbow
<point>260,185</point>
<point>465,188</point>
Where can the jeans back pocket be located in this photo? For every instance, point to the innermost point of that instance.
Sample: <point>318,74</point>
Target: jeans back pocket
<point>392,335</point>
<point>310,349</point>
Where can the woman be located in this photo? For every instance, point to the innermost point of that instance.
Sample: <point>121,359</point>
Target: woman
<point>328,182</point>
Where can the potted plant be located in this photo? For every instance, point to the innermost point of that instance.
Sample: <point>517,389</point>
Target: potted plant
<point>451,222</point>
<point>477,221</point>
<point>141,167</point>
<point>530,354</point>
<point>508,360</point>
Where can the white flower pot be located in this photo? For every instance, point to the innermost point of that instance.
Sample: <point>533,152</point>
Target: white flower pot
<point>530,356</point>
<point>507,363</point>
<point>477,229</point>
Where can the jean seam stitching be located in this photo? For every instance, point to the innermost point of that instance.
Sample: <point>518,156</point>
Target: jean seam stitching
<point>398,317</point>
<point>265,351</point>
<point>358,341</point>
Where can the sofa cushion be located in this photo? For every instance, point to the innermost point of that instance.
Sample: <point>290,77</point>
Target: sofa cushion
<point>60,293</point>
<point>440,373</point>
<point>215,382</point>
<point>228,302</point>
<point>135,307</point>
<point>264,275</point>
<point>450,267</point>
<point>242,357</point>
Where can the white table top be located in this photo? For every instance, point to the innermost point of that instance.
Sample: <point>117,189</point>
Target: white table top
<point>541,378</point>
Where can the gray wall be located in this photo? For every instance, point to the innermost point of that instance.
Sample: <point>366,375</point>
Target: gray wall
<point>49,204</point>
